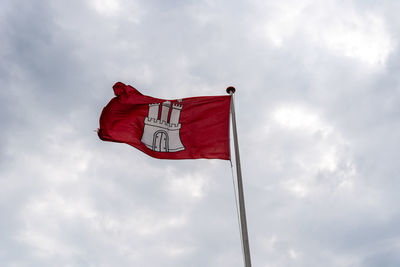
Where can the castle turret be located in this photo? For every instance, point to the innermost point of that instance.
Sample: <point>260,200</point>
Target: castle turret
<point>159,134</point>
<point>175,113</point>
<point>153,111</point>
<point>165,110</point>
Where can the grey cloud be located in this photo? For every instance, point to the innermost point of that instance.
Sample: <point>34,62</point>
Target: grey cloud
<point>320,188</point>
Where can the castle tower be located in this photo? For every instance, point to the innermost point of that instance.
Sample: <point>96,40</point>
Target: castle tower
<point>153,111</point>
<point>165,110</point>
<point>159,134</point>
<point>175,113</point>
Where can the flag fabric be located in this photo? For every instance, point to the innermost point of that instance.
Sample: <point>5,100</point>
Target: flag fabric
<point>188,128</point>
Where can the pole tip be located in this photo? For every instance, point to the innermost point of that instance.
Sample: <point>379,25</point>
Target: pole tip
<point>230,90</point>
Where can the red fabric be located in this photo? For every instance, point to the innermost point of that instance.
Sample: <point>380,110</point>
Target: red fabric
<point>203,127</point>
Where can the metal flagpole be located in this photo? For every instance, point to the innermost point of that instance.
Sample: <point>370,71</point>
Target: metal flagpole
<point>245,238</point>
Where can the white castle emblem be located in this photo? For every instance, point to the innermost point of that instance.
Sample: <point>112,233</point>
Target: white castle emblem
<point>159,134</point>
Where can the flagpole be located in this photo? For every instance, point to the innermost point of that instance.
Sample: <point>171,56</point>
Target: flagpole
<point>242,210</point>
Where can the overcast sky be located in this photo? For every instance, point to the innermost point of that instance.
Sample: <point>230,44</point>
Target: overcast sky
<point>318,111</point>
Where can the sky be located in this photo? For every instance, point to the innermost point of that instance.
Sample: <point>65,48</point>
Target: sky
<point>317,109</point>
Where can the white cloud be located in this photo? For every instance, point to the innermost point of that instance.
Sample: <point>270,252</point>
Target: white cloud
<point>44,245</point>
<point>339,27</point>
<point>293,254</point>
<point>300,118</point>
<point>42,218</point>
<point>362,37</point>
<point>321,152</point>
<point>188,185</point>
<point>106,7</point>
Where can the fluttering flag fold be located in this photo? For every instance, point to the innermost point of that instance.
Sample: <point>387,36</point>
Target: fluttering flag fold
<point>187,128</point>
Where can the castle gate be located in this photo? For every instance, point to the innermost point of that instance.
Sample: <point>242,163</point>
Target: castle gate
<point>160,141</point>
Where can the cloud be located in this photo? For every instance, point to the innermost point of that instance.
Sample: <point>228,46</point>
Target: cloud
<point>342,29</point>
<point>317,107</point>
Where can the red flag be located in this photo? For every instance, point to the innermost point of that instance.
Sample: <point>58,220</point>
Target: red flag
<point>188,128</point>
